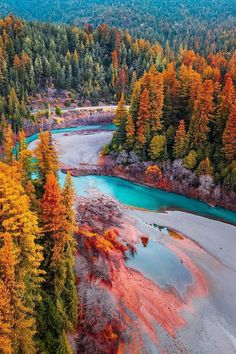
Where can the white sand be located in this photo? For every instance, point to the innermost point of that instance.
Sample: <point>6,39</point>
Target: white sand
<point>211,328</point>
<point>217,238</point>
<point>79,148</point>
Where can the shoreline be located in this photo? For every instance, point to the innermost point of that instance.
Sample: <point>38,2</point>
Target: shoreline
<point>64,170</point>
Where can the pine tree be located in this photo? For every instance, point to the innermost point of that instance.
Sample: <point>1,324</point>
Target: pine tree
<point>24,159</point>
<point>60,295</point>
<point>157,149</point>
<point>20,257</point>
<point>3,127</point>
<point>6,320</point>
<point>190,160</point>
<point>143,128</point>
<point>46,155</point>
<point>198,129</point>
<point>130,132</point>
<point>69,293</point>
<point>121,112</point>
<point>120,121</point>
<point>8,145</point>
<point>135,101</point>
<point>229,136</point>
<point>204,168</point>
<point>156,100</point>
<point>180,144</point>
<point>227,99</point>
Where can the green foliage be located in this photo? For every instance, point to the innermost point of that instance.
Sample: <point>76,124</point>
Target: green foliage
<point>157,149</point>
<point>58,111</point>
<point>176,22</point>
<point>106,150</point>
<point>190,160</point>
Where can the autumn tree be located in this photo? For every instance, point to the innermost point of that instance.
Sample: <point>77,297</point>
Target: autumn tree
<point>47,161</point>
<point>130,132</point>
<point>143,120</point>
<point>180,143</point>
<point>120,120</point>
<point>226,101</point>
<point>59,291</point>
<point>69,293</point>
<point>229,136</point>
<point>198,129</point>
<point>157,148</point>
<point>20,258</point>
<point>24,159</point>
<point>204,168</point>
<point>8,145</point>
<point>190,160</point>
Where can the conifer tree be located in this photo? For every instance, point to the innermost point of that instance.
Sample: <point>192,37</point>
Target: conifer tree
<point>59,290</point>
<point>130,132</point>
<point>143,127</point>
<point>20,258</point>
<point>46,156</point>
<point>157,149</point>
<point>120,121</point>
<point>69,293</point>
<point>24,159</point>
<point>204,168</point>
<point>180,144</point>
<point>227,99</point>
<point>229,136</point>
<point>8,145</point>
<point>203,108</point>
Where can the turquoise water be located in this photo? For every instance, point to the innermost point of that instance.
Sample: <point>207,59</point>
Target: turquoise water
<point>160,264</point>
<point>136,195</point>
<point>74,129</point>
<point>139,196</point>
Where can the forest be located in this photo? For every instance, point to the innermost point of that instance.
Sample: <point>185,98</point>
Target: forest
<point>186,100</point>
<point>172,75</point>
<point>199,25</point>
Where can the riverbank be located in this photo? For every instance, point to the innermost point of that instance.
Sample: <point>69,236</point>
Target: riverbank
<point>210,245</point>
<point>175,314</point>
<point>70,117</point>
<point>156,316</point>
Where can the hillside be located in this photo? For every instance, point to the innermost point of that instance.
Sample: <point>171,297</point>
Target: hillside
<point>196,24</point>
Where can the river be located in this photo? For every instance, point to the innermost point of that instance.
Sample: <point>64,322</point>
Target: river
<point>136,195</point>
<point>164,266</point>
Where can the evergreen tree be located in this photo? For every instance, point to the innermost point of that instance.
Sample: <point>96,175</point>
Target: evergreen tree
<point>46,155</point>
<point>180,144</point>
<point>198,130</point>
<point>20,257</point>
<point>229,136</point>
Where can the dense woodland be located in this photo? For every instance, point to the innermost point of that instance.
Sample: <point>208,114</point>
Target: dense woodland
<point>185,115</point>
<point>181,125</point>
<point>203,25</point>
<point>38,302</point>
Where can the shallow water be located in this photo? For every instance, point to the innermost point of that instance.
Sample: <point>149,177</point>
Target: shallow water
<point>136,195</point>
<point>74,129</point>
<point>139,196</point>
<point>157,262</point>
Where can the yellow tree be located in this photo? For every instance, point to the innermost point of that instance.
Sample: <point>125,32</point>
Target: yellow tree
<point>143,121</point>
<point>198,129</point>
<point>6,320</point>
<point>69,293</point>
<point>24,159</point>
<point>20,258</point>
<point>8,145</point>
<point>180,141</point>
<point>57,242</point>
<point>46,156</point>
<point>229,136</point>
